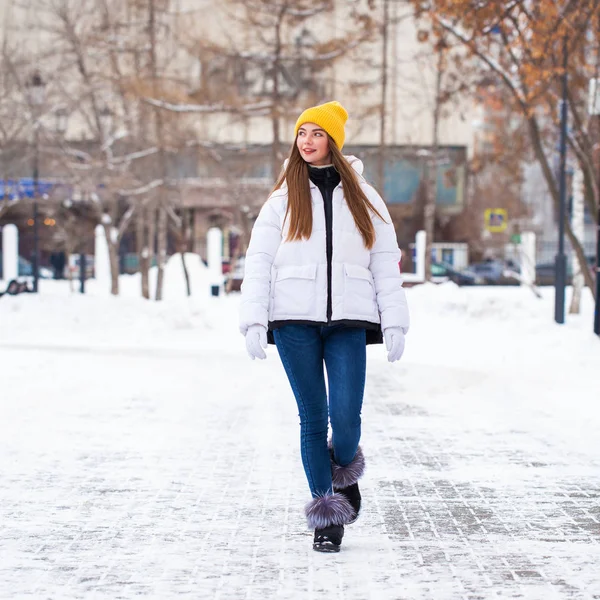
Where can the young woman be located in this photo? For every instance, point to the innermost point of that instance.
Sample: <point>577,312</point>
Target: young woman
<point>322,281</point>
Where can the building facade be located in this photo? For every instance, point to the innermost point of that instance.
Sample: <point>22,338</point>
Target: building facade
<point>212,58</point>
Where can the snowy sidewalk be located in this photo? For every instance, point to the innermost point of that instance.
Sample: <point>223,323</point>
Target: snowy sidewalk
<point>172,470</point>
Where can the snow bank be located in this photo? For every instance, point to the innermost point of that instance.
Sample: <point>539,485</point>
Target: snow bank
<point>488,328</point>
<point>174,285</point>
<point>59,315</point>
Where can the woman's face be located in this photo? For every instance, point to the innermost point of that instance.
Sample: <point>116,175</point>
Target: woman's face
<point>313,143</point>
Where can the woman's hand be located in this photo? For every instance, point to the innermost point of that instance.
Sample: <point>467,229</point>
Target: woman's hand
<point>256,341</point>
<point>394,342</point>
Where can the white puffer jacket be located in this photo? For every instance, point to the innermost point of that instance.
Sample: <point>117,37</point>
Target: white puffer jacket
<point>288,280</point>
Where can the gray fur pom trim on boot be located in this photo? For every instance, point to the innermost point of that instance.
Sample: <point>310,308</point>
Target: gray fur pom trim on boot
<point>349,474</point>
<point>329,509</point>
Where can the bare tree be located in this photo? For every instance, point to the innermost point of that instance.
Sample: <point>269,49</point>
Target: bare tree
<point>161,159</point>
<point>118,66</point>
<point>521,45</point>
<point>92,166</point>
<point>383,109</point>
<point>432,180</point>
<point>272,67</point>
<point>13,120</point>
<point>578,230</point>
<point>109,50</point>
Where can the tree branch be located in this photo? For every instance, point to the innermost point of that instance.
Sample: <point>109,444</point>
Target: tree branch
<point>144,189</point>
<point>219,107</point>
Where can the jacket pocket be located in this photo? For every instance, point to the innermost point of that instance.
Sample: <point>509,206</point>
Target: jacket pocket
<point>359,293</point>
<point>294,291</point>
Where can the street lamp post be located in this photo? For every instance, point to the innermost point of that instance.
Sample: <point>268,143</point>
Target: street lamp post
<point>82,268</point>
<point>36,99</point>
<point>594,111</point>
<point>561,259</point>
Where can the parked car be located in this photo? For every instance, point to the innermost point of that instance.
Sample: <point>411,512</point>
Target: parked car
<point>25,269</point>
<point>544,272</point>
<point>445,272</point>
<point>494,272</point>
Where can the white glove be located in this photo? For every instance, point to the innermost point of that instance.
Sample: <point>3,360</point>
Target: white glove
<point>256,340</point>
<point>394,342</point>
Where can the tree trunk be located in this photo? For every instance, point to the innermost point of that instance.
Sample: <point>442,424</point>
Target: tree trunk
<point>69,249</point>
<point>432,175</point>
<point>158,119</point>
<point>186,236</point>
<point>275,115</point>
<point>551,183</point>
<point>186,274</point>
<point>152,245</point>
<point>143,250</point>
<point>578,230</point>
<point>275,152</point>
<point>536,140</point>
<point>114,269</point>
<point>394,74</point>
<point>161,252</point>
<point>113,256</point>
<point>383,107</point>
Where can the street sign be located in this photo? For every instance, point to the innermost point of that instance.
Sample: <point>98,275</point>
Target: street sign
<point>14,189</point>
<point>496,219</point>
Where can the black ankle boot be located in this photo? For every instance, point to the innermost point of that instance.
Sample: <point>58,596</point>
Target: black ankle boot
<point>345,479</point>
<point>352,494</point>
<point>326,515</point>
<point>328,539</point>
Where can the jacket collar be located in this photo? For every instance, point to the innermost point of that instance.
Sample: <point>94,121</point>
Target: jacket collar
<point>326,177</point>
<point>355,163</point>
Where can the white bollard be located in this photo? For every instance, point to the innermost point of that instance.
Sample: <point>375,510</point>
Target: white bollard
<point>214,258</point>
<point>101,258</point>
<point>10,252</point>
<point>528,258</point>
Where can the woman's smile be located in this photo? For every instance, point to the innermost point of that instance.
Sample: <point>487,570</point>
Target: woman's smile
<point>313,144</point>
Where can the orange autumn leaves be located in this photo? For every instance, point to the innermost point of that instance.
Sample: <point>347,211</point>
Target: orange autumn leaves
<point>524,40</point>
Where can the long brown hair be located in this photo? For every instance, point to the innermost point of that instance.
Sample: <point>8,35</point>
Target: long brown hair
<point>299,206</point>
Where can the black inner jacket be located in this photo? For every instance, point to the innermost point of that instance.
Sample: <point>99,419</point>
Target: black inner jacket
<point>327,179</point>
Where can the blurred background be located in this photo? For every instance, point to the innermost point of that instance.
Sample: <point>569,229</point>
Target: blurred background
<point>161,119</point>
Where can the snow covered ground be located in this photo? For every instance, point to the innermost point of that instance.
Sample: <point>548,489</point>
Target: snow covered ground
<point>144,455</point>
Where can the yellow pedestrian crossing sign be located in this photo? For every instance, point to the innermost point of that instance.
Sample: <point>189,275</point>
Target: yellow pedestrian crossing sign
<point>496,219</point>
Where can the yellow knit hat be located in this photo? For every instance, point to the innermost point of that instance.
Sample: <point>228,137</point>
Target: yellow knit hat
<point>331,116</point>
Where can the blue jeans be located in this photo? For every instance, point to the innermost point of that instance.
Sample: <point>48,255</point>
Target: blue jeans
<point>303,350</point>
